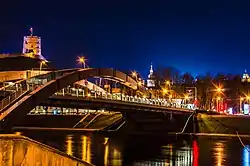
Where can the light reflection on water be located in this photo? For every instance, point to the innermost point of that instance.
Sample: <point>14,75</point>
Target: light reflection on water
<point>246,153</point>
<point>108,151</point>
<point>219,153</point>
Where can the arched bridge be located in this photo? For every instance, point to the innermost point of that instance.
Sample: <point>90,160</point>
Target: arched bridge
<point>52,83</point>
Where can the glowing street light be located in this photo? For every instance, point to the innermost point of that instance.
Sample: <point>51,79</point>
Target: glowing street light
<point>42,63</point>
<point>219,89</point>
<point>82,60</point>
<point>167,82</point>
<point>139,83</point>
<point>165,91</point>
<point>134,74</point>
<point>186,98</point>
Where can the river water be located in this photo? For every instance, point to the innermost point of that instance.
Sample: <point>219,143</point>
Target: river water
<point>116,150</point>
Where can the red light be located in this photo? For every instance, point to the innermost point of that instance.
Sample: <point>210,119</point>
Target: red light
<point>195,153</point>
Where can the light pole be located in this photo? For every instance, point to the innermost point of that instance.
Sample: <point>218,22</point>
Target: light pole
<point>186,98</point>
<point>134,74</point>
<point>82,60</point>
<point>217,104</point>
<point>41,65</point>
<point>164,92</point>
<point>241,99</point>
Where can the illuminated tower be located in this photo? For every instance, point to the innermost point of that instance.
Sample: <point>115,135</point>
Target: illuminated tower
<point>151,80</point>
<point>245,77</point>
<point>32,46</point>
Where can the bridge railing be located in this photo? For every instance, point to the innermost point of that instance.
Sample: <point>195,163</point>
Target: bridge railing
<point>120,97</point>
<point>9,99</point>
<point>18,88</point>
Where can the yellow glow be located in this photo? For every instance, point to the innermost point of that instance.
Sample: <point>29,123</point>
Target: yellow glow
<point>43,62</point>
<point>139,83</point>
<point>69,143</point>
<point>18,133</point>
<point>218,98</point>
<point>248,97</point>
<point>242,98</point>
<point>88,95</point>
<point>86,149</point>
<point>134,74</point>
<point>170,96</point>
<point>144,96</point>
<point>106,151</point>
<point>219,153</point>
<point>81,59</point>
<point>116,158</point>
<point>219,89</point>
<point>186,97</point>
<point>167,82</point>
<point>165,91</point>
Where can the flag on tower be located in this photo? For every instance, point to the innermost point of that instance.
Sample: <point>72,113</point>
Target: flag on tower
<point>31,31</point>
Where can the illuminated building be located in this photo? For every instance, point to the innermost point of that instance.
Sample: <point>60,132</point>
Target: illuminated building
<point>32,46</point>
<point>245,77</point>
<point>151,79</point>
<point>29,58</point>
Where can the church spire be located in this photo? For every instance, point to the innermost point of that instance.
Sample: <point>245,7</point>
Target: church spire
<point>151,81</point>
<point>151,69</point>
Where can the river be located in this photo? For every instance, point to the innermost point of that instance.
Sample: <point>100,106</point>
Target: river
<point>116,150</point>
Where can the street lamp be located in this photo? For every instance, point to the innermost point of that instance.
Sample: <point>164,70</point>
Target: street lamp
<point>217,103</point>
<point>241,99</point>
<point>134,74</point>
<point>219,90</point>
<point>42,63</point>
<point>82,60</point>
<point>186,98</point>
<point>167,82</point>
<point>139,83</point>
<point>165,91</point>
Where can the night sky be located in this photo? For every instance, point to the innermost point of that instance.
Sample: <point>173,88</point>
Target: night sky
<point>194,36</point>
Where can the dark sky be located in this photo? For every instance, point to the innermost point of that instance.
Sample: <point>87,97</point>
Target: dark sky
<point>194,36</point>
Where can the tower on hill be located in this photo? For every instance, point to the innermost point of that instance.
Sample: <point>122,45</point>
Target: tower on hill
<point>32,46</point>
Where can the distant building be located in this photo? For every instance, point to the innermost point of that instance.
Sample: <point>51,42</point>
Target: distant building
<point>29,59</point>
<point>32,46</point>
<point>245,77</point>
<point>151,78</point>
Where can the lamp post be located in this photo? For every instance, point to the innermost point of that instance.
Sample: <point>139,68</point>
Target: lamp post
<point>241,99</point>
<point>41,65</point>
<point>134,74</point>
<point>82,60</point>
<point>186,98</point>
<point>217,103</point>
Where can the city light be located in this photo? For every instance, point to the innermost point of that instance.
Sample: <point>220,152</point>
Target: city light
<point>218,98</point>
<point>165,91</point>
<point>139,83</point>
<point>241,98</point>
<point>82,60</point>
<point>219,90</point>
<point>42,63</point>
<point>134,74</point>
<point>186,97</point>
<point>167,82</point>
